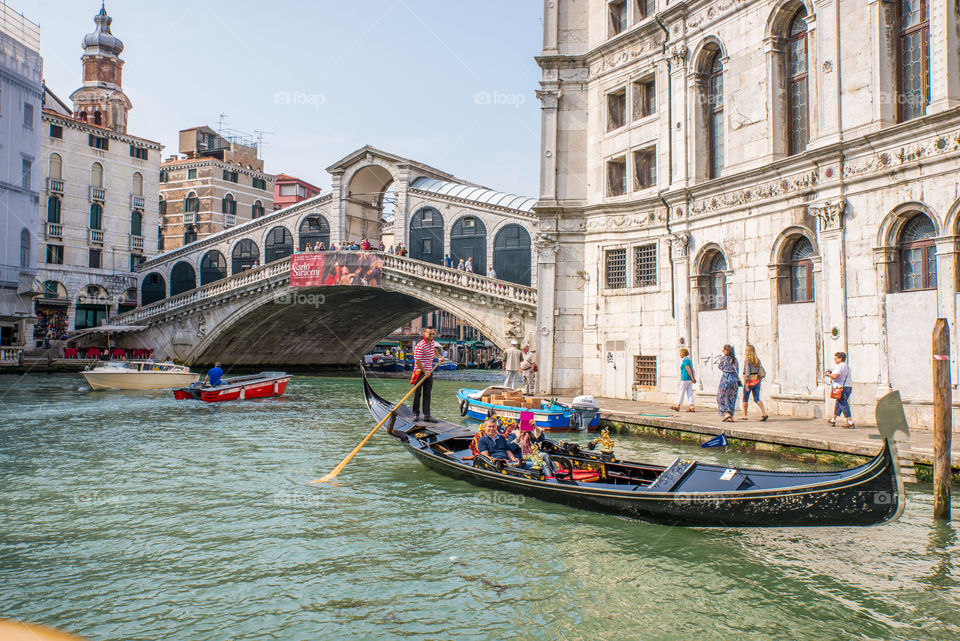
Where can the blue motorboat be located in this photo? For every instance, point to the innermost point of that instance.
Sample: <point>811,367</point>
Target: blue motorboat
<point>548,414</point>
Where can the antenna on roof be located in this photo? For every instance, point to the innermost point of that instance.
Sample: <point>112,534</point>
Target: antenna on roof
<point>260,135</point>
<point>220,120</point>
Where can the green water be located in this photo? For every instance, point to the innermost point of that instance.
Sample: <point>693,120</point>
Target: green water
<point>132,516</point>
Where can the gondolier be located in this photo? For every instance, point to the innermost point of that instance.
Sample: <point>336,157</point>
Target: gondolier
<point>423,355</point>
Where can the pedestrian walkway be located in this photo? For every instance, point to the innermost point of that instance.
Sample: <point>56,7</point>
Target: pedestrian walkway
<point>790,431</point>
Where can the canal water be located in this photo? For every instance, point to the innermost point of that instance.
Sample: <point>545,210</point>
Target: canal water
<point>132,516</point>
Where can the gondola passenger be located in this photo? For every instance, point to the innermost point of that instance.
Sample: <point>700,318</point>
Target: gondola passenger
<point>494,445</point>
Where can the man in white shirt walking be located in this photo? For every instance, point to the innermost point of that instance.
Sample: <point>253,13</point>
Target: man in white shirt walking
<point>529,369</point>
<point>512,360</point>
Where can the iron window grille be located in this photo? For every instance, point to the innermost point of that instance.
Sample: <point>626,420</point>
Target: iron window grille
<point>645,265</point>
<point>645,371</point>
<point>616,268</point>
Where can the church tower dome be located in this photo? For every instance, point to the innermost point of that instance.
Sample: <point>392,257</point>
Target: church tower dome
<point>101,100</point>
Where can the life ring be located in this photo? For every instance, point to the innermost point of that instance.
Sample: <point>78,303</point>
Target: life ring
<point>463,407</point>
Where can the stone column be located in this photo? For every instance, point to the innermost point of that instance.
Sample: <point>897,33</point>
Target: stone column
<point>338,221</point>
<point>551,11</point>
<point>546,248</point>
<point>773,49</point>
<point>944,57</point>
<point>946,290</point>
<point>549,98</point>
<point>831,281</point>
<point>882,29</point>
<point>681,285</point>
<point>882,258</point>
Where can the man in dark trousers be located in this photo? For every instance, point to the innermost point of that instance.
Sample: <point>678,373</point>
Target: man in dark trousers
<point>423,355</point>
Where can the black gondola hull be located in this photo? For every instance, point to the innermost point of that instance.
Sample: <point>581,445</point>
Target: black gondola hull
<point>866,495</point>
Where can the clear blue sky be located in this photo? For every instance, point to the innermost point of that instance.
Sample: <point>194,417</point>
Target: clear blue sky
<point>447,82</point>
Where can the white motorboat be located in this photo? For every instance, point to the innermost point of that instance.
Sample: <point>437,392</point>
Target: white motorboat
<point>139,375</point>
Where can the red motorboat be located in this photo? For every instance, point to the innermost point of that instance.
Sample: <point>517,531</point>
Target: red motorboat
<point>262,385</point>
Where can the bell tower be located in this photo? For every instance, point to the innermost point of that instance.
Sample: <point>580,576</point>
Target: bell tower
<point>101,101</point>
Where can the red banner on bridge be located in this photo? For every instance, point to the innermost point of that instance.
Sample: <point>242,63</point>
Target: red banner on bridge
<point>318,269</point>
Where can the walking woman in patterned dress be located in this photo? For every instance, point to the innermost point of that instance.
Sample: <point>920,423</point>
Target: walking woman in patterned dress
<point>729,384</point>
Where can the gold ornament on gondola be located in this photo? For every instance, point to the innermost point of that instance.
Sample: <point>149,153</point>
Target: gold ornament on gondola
<point>604,440</point>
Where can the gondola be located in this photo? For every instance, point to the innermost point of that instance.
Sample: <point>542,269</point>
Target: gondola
<point>682,493</point>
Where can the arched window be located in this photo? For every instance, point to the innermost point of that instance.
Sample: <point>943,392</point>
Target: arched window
<point>191,203</point>
<point>918,254</point>
<point>56,166</point>
<point>213,267</point>
<point>136,223</point>
<point>279,244</point>
<point>716,282</point>
<point>97,118</point>
<point>25,248</point>
<point>801,271</point>
<point>96,216</point>
<point>511,254</point>
<point>96,175</point>
<point>468,239</point>
<point>914,58</point>
<point>228,205</point>
<point>314,229</point>
<point>53,210</point>
<point>154,289</point>
<point>426,235</point>
<point>715,131</point>
<point>163,206</point>
<point>83,116</point>
<point>257,209</point>
<point>797,107</point>
<point>54,289</point>
<point>245,255</point>
<point>182,278</point>
<point>137,184</point>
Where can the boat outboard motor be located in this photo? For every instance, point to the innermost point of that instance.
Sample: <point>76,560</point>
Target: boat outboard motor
<point>584,410</point>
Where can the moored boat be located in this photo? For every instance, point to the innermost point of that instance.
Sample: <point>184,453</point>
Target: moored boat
<point>138,375</point>
<point>548,414</point>
<point>262,385</point>
<point>382,363</point>
<point>682,493</point>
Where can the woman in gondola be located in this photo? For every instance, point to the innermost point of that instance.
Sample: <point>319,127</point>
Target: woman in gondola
<point>729,384</point>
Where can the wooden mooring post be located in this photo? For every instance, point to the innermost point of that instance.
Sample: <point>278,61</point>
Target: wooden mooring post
<point>942,419</point>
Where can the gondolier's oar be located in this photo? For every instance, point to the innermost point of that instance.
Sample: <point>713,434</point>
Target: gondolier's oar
<point>339,468</point>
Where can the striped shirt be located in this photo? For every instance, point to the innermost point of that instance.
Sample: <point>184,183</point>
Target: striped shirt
<point>424,352</point>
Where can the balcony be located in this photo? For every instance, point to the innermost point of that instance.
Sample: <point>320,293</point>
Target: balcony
<point>98,194</point>
<point>54,230</point>
<point>136,243</point>
<point>55,186</point>
<point>229,220</point>
<point>96,236</point>
<point>138,202</point>
<point>190,218</point>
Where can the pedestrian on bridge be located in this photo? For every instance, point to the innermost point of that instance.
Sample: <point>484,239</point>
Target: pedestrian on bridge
<point>461,266</point>
<point>512,361</point>
<point>469,265</point>
<point>491,272</point>
<point>447,261</point>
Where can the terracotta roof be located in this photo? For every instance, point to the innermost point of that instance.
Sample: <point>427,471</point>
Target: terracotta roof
<point>288,178</point>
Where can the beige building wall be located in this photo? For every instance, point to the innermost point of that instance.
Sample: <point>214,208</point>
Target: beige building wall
<point>865,172</point>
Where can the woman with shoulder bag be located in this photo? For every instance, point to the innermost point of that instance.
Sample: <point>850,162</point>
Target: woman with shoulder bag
<point>842,386</point>
<point>753,374</point>
<point>729,384</point>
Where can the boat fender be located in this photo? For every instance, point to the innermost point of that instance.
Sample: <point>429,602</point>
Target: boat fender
<point>463,407</point>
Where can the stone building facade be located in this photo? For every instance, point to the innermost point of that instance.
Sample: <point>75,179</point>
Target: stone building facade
<point>98,207</point>
<point>774,172</point>
<point>21,72</point>
<point>218,182</point>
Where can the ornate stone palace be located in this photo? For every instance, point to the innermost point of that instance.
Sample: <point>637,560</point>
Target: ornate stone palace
<point>774,172</point>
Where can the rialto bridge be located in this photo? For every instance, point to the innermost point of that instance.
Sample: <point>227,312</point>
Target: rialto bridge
<point>228,297</point>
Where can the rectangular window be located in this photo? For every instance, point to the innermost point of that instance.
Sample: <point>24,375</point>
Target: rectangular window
<point>645,371</point>
<point>426,246</point>
<point>94,258</point>
<point>617,177</point>
<point>645,265</point>
<point>615,261</point>
<point>55,254</point>
<point>163,176</point>
<point>138,152</point>
<point>618,17</point>
<point>191,174</point>
<point>136,260</point>
<point>646,9</point>
<point>914,58</point>
<point>645,168</point>
<point>644,98</point>
<point>259,183</point>
<point>56,131</point>
<point>28,115</point>
<point>616,109</point>
<point>26,174</point>
<point>98,142</point>
<point>231,176</point>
